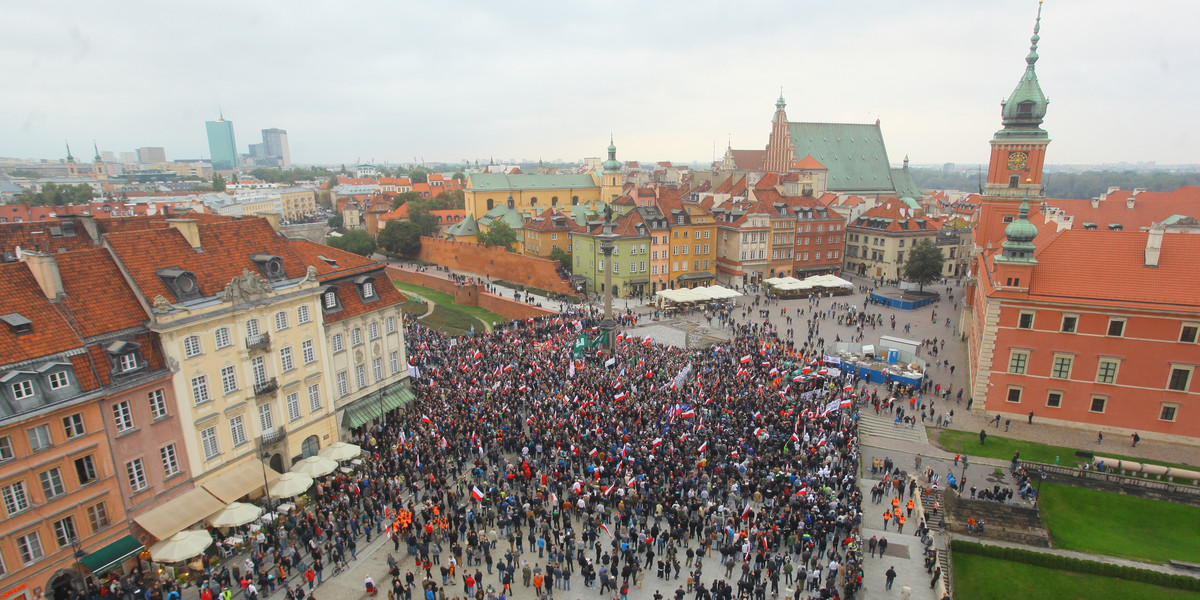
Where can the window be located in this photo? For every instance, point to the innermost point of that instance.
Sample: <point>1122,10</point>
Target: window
<point>391,324</point>
<point>266,419</point>
<point>137,475</point>
<point>1106,371</point>
<point>373,329</point>
<point>39,438</point>
<point>158,403</point>
<point>73,426</point>
<point>6,448</point>
<point>122,416</point>
<point>30,547</point>
<point>252,328</point>
<point>85,468</point>
<point>1014,394</point>
<point>1054,399</point>
<point>360,376</point>
<point>1017,360</point>
<point>229,379</point>
<point>1062,367</point>
<point>1098,404</point>
<point>1180,378</point>
<point>52,483</point>
<point>191,346</point>
<point>1068,323</point>
<point>1116,327</point>
<point>237,430</point>
<point>343,385</point>
<point>293,406</point>
<point>307,352</point>
<point>330,301</point>
<point>281,321</point>
<point>368,289</point>
<point>222,337</point>
<point>394,360</point>
<point>285,359</point>
<point>377,368</point>
<point>258,366</point>
<point>355,336</point>
<point>200,390</point>
<point>302,314</point>
<point>128,362</point>
<point>59,380</point>
<point>64,532</point>
<point>337,342</point>
<point>1188,333</point>
<point>314,398</point>
<point>170,460</point>
<point>98,516</point>
<point>1025,320</point>
<point>1168,412</point>
<point>208,441</point>
<point>22,389</point>
<point>15,498</point>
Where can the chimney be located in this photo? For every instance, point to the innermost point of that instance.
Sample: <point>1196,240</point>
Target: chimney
<point>272,218</point>
<point>45,270</point>
<point>1154,244</point>
<point>190,229</point>
<point>1129,202</point>
<point>88,222</point>
<point>1095,202</point>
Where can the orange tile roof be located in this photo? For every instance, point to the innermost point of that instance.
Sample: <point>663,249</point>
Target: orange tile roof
<point>749,160</point>
<point>808,163</point>
<point>50,332</point>
<point>889,210</point>
<point>1148,207</point>
<point>97,299</point>
<point>37,235</point>
<point>348,263</point>
<point>769,181</point>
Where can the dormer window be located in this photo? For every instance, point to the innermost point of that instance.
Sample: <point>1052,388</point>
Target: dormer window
<point>329,300</point>
<point>182,284</point>
<point>124,357</point>
<point>366,288</point>
<point>270,266</point>
<point>17,323</point>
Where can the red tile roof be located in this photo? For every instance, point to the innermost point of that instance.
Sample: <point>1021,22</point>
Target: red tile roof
<point>97,299</point>
<point>808,163</point>
<point>1148,208</point>
<point>50,331</point>
<point>749,160</point>
<point>347,263</point>
<point>895,216</point>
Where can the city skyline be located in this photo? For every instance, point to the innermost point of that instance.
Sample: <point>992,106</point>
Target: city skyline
<point>670,81</point>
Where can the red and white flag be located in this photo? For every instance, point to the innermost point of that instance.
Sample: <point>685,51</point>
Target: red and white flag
<point>426,419</point>
<point>757,431</point>
<point>476,494</point>
<point>621,396</point>
<point>529,421</point>
<point>687,413</point>
<point>593,453</point>
<point>632,482</point>
<point>746,512</point>
<point>477,355</point>
<point>657,442</point>
<point>745,359</point>
<point>646,342</point>
<point>702,448</point>
<point>605,529</point>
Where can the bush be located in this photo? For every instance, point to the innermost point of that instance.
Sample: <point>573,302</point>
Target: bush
<point>1075,565</point>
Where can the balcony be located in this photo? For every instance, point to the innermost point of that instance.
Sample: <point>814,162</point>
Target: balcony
<point>261,341</point>
<point>266,387</point>
<point>274,436</point>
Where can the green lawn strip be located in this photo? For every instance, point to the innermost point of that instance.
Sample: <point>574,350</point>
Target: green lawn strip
<point>982,578</point>
<point>448,301</point>
<point>967,442</point>
<point>1099,522</point>
<point>452,322</point>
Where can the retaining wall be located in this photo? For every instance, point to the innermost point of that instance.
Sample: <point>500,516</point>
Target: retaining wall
<point>470,295</point>
<point>495,261</point>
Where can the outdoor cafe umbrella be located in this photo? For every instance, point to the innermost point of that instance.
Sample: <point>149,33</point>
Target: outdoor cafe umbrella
<point>315,466</point>
<point>340,451</point>
<point>290,484</point>
<point>237,513</point>
<point>181,546</point>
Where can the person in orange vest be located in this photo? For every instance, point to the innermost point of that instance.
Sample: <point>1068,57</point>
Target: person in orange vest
<point>910,507</point>
<point>887,516</point>
<point>896,502</point>
<point>901,529</point>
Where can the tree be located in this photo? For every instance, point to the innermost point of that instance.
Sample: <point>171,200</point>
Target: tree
<point>418,213</point>
<point>401,237</point>
<point>24,173</point>
<point>419,175</point>
<point>335,222</point>
<point>452,199</point>
<point>562,257</point>
<point>404,198</point>
<point>924,264</point>
<point>58,195</point>
<point>499,234</point>
<point>356,241</point>
<point>218,183</point>
<point>459,176</point>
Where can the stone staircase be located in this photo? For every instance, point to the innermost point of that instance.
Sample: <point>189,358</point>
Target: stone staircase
<point>882,426</point>
<point>934,512</point>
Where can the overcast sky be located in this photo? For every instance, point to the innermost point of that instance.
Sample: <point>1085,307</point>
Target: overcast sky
<point>446,81</point>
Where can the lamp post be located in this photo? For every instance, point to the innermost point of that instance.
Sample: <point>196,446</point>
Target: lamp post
<point>78,554</point>
<point>266,484</point>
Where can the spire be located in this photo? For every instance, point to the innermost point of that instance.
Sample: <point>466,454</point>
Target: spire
<point>69,157</point>
<point>780,103</point>
<point>97,149</point>
<point>1025,108</point>
<point>1032,58</point>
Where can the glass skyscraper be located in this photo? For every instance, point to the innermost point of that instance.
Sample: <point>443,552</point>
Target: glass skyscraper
<point>221,145</point>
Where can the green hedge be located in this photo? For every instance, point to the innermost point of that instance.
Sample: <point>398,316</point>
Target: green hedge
<point>1066,563</point>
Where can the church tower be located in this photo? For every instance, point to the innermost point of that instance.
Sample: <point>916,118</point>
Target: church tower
<point>780,153</point>
<point>98,164</point>
<point>612,183</point>
<point>72,166</point>
<point>1018,151</point>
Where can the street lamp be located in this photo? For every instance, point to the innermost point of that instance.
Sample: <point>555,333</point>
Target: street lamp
<point>78,554</point>
<point>266,484</point>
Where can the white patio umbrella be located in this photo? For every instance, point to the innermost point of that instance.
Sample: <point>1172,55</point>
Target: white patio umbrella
<point>237,513</point>
<point>340,451</point>
<point>181,546</point>
<point>315,466</point>
<point>290,484</point>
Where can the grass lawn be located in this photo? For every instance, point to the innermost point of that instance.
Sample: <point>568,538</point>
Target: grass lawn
<point>967,442</point>
<point>1118,525</point>
<point>982,578</point>
<point>447,301</point>
<point>414,306</point>
<point>453,322</point>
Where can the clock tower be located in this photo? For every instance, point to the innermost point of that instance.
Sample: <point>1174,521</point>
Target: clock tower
<point>1018,152</point>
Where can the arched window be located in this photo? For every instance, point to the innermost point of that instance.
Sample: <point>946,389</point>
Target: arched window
<point>310,446</point>
<point>554,201</point>
<point>533,201</point>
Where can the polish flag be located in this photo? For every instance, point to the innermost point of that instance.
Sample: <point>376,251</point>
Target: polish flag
<point>508,368</point>
<point>757,431</point>
<point>593,453</point>
<point>766,363</point>
<point>703,447</point>
<point>578,487</point>
<point>773,372</point>
<point>746,512</point>
<point>646,342</point>
<point>657,442</point>
<point>621,396</point>
<point>425,419</point>
<point>848,388</point>
<point>620,337</point>
<point>608,491</point>
<point>845,403</point>
<point>745,359</point>
<point>632,482</point>
<point>553,497</point>
<point>476,494</point>
<point>522,388</point>
<point>796,438</point>
<point>687,414</point>
<point>605,529</point>
<point>477,355</point>
<point>529,421</point>
<point>757,414</point>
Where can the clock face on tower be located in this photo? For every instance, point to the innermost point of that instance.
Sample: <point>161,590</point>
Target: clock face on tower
<point>1017,161</point>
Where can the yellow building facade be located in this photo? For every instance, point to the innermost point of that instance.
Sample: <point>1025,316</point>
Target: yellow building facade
<point>693,244</point>
<point>297,204</point>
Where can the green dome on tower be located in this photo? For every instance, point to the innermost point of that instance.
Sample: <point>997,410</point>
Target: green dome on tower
<point>612,164</point>
<point>1019,235</point>
<point>1022,113</point>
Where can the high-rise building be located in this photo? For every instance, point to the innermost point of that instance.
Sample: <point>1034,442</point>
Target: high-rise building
<point>276,141</point>
<point>221,144</point>
<point>151,155</point>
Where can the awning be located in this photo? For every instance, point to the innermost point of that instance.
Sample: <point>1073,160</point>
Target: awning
<point>177,514</point>
<point>689,276</point>
<point>112,555</point>
<point>364,410</point>
<point>247,477</point>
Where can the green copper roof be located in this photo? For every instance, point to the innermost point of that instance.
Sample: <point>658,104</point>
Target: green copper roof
<point>903,182</point>
<point>853,153</point>
<point>612,164</point>
<point>464,228</point>
<point>512,216</point>
<point>499,182</point>
<point>1019,235</point>
<point>1025,108</point>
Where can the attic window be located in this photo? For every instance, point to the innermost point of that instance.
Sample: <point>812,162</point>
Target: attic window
<point>366,288</point>
<point>270,266</point>
<point>329,261</point>
<point>329,300</point>
<point>17,323</point>
<point>182,284</point>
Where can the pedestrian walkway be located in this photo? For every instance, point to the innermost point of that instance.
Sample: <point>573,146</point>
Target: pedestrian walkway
<point>884,426</point>
<point>1112,560</point>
